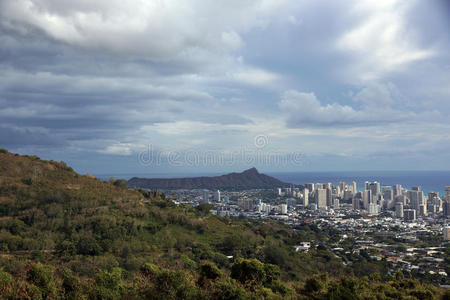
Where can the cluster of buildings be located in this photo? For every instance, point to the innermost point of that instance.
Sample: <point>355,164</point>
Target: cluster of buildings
<point>373,199</point>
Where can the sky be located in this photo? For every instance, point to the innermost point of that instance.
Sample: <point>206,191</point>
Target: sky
<point>170,86</point>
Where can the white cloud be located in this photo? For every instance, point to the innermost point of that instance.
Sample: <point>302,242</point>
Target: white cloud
<point>158,29</point>
<point>305,110</point>
<point>383,40</point>
<point>377,95</point>
<point>118,149</point>
<point>254,76</point>
<point>293,20</point>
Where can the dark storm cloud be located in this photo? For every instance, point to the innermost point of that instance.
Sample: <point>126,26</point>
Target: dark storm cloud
<point>17,137</point>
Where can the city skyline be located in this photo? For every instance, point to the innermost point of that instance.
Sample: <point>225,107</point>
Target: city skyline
<point>348,85</point>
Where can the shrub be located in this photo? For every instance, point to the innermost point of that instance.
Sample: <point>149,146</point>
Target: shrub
<point>27,181</point>
<point>248,271</point>
<point>209,271</point>
<point>229,290</point>
<point>42,277</point>
<point>108,285</point>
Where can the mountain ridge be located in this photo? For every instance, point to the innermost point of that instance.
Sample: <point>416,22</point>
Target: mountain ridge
<point>248,179</point>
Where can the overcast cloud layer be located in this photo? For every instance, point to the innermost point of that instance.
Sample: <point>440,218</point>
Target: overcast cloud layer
<point>344,85</point>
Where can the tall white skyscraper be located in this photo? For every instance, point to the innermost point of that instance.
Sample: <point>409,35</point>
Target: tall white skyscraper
<point>305,197</point>
<point>217,196</point>
<point>342,187</point>
<point>321,198</point>
<point>388,196</point>
<point>417,200</point>
<point>397,190</point>
<point>399,210</point>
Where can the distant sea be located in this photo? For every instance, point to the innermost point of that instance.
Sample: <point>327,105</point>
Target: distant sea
<point>429,180</point>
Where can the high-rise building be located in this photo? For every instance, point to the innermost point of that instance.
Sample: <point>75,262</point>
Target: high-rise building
<point>227,200</point>
<point>321,198</point>
<point>409,214</point>
<point>401,198</point>
<point>432,195</point>
<point>397,190</point>
<point>217,196</point>
<point>446,233</point>
<point>280,192</point>
<point>375,188</point>
<point>399,210</point>
<point>336,204</point>
<point>337,191</point>
<point>246,204</point>
<point>291,202</point>
<point>417,200</point>
<point>437,202</point>
<point>284,209</point>
<point>432,209</point>
<point>355,203</point>
<point>264,208</point>
<point>366,198</point>
<point>348,195</point>
<point>422,210</point>
<point>342,188</point>
<point>366,185</point>
<point>329,197</point>
<point>354,187</point>
<point>309,186</point>
<point>446,208</point>
<point>373,208</point>
<point>205,196</point>
<point>305,197</point>
<point>388,196</point>
<point>447,192</point>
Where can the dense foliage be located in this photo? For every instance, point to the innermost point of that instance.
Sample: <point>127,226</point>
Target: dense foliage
<point>64,235</point>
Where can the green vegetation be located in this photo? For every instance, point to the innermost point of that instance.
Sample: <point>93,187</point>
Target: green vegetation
<point>65,235</point>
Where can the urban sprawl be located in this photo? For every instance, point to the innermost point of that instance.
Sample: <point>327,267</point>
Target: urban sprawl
<point>404,228</point>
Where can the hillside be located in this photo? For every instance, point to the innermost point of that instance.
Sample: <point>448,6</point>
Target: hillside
<point>249,179</point>
<point>70,236</point>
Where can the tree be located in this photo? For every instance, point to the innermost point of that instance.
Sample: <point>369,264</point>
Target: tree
<point>42,277</point>
<point>248,271</point>
<point>108,285</point>
<point>208,271</point>
<point>121,183</point>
